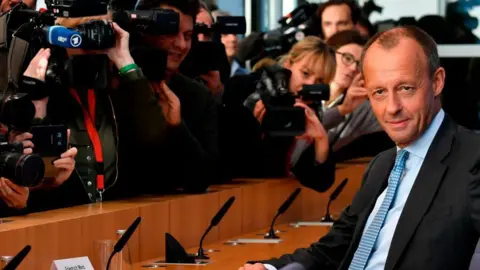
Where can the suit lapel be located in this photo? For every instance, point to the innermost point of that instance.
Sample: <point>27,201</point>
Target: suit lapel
<point>423,191</point>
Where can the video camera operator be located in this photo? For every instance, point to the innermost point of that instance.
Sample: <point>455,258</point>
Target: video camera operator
<point>213,79</point>
<point>100,110</point>
<point>191,148</point>
<point>309,62</point>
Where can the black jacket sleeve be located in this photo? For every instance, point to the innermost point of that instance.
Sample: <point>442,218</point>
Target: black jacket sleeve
<point>139,116</point>
<point>311,174</point>
<point>330,250</point>
<point>194,142</point>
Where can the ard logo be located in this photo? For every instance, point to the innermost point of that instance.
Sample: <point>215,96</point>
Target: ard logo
<point>76,41</point>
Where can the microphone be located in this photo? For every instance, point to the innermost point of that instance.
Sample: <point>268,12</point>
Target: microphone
<point>64,37</point>
<point>215,220</point>
<point>123,240</point>
<point>333,196</point>
<point>15,262</point>
<point>271,234</point>
<point>293,266</point>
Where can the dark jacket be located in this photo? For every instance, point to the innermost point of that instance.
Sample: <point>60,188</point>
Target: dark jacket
<point>440,224</point>
<point>127,119</point>
<point>189,156</point>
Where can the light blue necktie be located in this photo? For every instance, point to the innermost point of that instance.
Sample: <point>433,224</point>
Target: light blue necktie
<point>369,238</point>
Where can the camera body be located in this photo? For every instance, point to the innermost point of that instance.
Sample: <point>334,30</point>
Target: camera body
<point>23,170</point>
<point>77,8</point>
<point>281,117</point>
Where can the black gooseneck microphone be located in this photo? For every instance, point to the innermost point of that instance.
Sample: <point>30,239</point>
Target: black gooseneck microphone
<point>333,196</point>
<point>123,240</point>
<point>15,262</point>
<point>271,234</point>
<point>215,220</point>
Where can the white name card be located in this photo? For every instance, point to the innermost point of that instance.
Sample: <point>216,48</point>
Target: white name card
<point>81,263</point>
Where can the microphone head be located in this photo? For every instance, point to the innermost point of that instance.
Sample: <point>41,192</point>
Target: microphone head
<point>15,262</point>
<point>218,217</point>
<point>289,201</point>
<point>339,189</point>
<point>126,236</point>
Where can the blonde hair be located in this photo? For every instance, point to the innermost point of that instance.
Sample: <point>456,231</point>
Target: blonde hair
<point>321,56</point>
<point>265,62</point>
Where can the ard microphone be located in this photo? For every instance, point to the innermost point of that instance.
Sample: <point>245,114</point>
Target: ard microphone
<point>64,37</point>
<point>333,196</point>
<point>15,262</point>
<point>123,240</point>
<point>215,220</point>
<point>284,207</point>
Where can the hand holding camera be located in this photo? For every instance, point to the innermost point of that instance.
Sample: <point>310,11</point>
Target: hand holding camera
<point>120,53</point>
<point>13,195</point>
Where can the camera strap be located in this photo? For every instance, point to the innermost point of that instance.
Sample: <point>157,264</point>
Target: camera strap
<point>89,116</point>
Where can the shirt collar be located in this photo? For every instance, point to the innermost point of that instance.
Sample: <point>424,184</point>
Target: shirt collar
<point>421,145</point>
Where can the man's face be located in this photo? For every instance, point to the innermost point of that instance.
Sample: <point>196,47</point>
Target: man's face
<point>6,5</point>
<point>403,96</point>
<point>178,45</point>
<point>204,18</point>
<point>336,18</point>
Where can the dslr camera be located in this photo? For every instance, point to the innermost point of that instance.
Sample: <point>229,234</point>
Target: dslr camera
<point>23,170</point>
<point>282,118</point>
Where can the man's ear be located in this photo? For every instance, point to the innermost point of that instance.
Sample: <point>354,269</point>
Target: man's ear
<point>287,64</point>
<point>438,81</point>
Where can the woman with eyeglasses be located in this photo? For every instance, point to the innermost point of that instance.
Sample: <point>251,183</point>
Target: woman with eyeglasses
<point>350,122</point>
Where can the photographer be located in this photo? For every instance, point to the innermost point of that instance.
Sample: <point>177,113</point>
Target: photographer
<point>213,79</point>
<point>15,197</point>
<point>191,149</point>
<point>310,61</point>
<point>100,117</point>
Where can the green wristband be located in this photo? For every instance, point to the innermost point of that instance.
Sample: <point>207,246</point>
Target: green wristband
<point>124,70</point>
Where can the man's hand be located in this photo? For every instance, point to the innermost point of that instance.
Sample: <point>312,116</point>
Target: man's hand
<point>38,66</point>
<point>355,96</point>
<point>213,82</point>
<point>13,195</point>
<point>120,54</point>
<point>25,139</point>
<point>259,111</point>
<point>169,102</point>
<point>257,266</point>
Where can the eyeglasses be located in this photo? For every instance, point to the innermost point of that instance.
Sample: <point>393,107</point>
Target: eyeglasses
<point>348,59</point>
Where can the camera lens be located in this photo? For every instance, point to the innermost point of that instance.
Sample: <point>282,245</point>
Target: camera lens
<point>23,170</point>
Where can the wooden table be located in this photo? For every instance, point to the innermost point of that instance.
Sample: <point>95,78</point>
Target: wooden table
<point>72,232</point>
<point>233,257</point>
